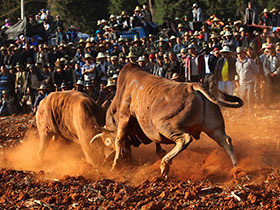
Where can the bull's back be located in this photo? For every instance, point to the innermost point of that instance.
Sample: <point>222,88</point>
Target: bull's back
<point>68,114</point>
<point>158,104</point>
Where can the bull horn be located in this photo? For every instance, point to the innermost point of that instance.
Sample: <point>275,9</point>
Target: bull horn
<point>96,137</point>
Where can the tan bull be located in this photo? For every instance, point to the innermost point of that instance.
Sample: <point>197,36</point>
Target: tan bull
<point>148,108</point>
<point>73,116</point>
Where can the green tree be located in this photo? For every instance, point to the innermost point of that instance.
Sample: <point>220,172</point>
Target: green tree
<point>11,9</point>
<point>117,6</point>
<point>83,13</point>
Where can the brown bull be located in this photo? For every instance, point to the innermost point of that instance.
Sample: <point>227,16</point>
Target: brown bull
<point>73,116</point>
<point>150,108</point>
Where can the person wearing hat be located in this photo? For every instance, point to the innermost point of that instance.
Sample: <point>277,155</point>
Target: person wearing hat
<point>58,76</point>
<point>136,48</point>
<point>209,64</point>
<point>6,79</point>
<point>141,61</point>
<point>225,71</point>
<point>229,41</point>
<point>160,67</point>
<point>214,40</point>
<point>247,71</point>
<point>89,68</point>
<point>115,67</point>
<point>34,78</point>
<point>197,13</point>
<point>21,81</point>
<point>137,17</point>
<point>251,16</point>
<point>6,104</point>
<point>252,54</point>
<point>42,93</point>
<point>271,72</point>
<point>42,55</point>
<point>102,66</point>
<point>194,67</point>
<point>266,17</point>
<point>275,22</point>
<point>131,57</point>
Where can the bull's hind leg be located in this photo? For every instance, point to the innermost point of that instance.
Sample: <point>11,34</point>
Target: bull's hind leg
<point>45,139</point>
<point>224,141</point>
<point>182,143</point>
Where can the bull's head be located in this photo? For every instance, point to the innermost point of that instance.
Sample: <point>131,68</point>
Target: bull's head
<point>106,136</point>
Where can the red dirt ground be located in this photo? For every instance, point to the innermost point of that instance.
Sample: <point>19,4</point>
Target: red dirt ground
<point>201,177</point>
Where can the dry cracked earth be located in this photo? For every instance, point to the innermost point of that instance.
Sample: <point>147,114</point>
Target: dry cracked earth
<point>201,177</point>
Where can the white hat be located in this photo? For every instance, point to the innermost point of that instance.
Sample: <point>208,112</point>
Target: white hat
<point>141,58</point>
<point>100,55</point>
<point>225,50</point>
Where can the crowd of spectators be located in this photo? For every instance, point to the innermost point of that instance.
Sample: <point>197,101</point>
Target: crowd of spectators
<point>235,57</point>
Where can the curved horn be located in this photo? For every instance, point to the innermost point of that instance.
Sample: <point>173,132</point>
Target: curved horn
<point>96,137</point>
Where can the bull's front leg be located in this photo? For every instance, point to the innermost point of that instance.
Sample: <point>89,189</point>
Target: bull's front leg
<point>182,143</point>
<point>119,144</point>
<point>45,139</point>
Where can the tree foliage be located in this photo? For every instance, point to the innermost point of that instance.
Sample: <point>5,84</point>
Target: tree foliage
<point>83,13</point>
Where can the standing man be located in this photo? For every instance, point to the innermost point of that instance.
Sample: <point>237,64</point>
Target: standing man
<point>197,13</point>
<point>251,16</point>
<point>194,65</point>
<point>225,71</point>
<point>247,71</point>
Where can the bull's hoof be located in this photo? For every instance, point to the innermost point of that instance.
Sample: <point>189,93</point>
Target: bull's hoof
<point>164,168</point>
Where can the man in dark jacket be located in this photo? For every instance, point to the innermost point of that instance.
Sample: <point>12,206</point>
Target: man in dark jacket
<point>225,71</point>
<point>174,66</point>
<point>251,16</point>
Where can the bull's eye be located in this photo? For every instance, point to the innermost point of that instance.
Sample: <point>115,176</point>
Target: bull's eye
<point>107,142</point>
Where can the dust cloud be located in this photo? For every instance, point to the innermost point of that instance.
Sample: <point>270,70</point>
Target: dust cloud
<point>255,138</point>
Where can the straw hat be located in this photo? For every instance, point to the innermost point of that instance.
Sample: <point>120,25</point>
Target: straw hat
<point>265,10</point>
<point>180,25</point>
<point>175,76</point>
<point>228,33</point>
<point>42,87</point>
<point>100,55</point>
<point>110,83</point>
<point>131,55</point>
<point>213,36</point>
<point>87,56</point>
<point>115,76</point>
<point>239,49</point>
<point>225,50</point>
<point>141,59</point>
<point>137,8</point>
<point>274,10</point>
<point>79,82</point>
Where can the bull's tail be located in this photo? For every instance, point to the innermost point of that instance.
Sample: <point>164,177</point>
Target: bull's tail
<point>223,98</point>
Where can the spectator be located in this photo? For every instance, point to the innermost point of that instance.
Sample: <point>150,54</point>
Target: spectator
<point>197,13</point>
<point>275,18</point>
<point>6,104</point>
<point>266,18</point>
<point>251,16</point>
<point>225,71</point>
<point>247,71</point>
<point>194,65</point>
<point>89,68</point>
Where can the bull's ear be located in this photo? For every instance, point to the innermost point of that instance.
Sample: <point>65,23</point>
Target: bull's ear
<point>99,135</point>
